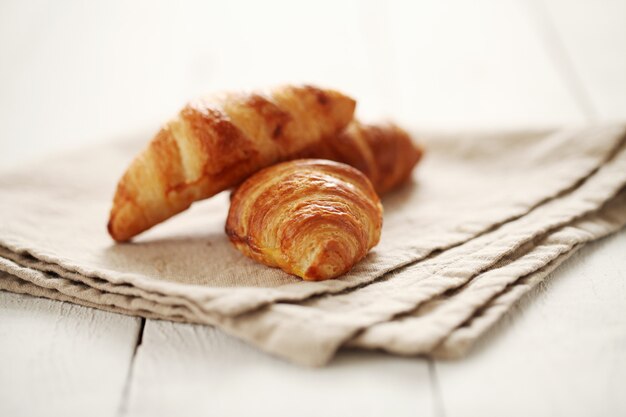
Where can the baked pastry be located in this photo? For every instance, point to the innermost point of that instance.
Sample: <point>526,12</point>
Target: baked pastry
<point>215,143</point>
<point>312,218</point>
<point>384,153</point>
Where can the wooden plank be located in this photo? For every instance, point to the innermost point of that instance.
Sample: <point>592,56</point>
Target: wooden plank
<point>592,35</point>
<point>61,359</point>
<point>459,64</point>
<point>561,352</point>
<point>197,370</point>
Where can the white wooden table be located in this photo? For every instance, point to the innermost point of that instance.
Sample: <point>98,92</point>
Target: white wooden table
<point>74,73</point>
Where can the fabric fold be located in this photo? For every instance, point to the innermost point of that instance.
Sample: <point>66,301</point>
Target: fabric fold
<point>487,216</point>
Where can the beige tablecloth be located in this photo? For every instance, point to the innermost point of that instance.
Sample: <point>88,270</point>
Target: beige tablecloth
<point>487,216</point>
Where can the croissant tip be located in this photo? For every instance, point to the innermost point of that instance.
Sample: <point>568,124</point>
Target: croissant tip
<point>329,263</point>
<point>114,232</point>
<point>111,231</point>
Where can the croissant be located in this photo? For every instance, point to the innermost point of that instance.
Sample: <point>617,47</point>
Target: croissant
<point>384,153</point>
<point>312,218</point>
<point>215,143</point>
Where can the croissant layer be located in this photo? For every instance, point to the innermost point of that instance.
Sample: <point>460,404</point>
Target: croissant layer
<point>385,153</point>
<point>215,143</point>
<point>311,218</point>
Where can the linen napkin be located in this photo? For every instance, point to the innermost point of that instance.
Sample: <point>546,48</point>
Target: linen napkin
<point>487,216</point>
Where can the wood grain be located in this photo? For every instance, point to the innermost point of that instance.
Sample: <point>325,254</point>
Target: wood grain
<point>62,359</point>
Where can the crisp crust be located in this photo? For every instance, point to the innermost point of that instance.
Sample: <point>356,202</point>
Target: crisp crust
<point>385,153</point>
<point>216,143</point>
<point>312,218</point>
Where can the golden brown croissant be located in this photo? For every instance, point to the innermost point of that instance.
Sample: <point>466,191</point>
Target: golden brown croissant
<point>216,143</point>
<point>312,218</point>
<point>384,153</point>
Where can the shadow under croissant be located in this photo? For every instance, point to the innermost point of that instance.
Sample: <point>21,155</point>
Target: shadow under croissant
<point>198,252</point>
<point>399,197</point>
<point>206,259</point>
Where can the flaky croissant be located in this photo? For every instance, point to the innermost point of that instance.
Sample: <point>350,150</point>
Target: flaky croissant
<point>312,218</point>
<point>216,143</point>
<point>384,153</point>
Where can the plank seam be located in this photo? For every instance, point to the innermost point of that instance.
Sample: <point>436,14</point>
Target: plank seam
<point>123,406</point>
<point>437,397</point>
<point>564,64</point>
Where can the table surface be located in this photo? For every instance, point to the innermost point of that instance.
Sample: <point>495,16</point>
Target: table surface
<point>76,73</point>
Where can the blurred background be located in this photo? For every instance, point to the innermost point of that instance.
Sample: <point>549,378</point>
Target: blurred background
<point>75,72</point>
